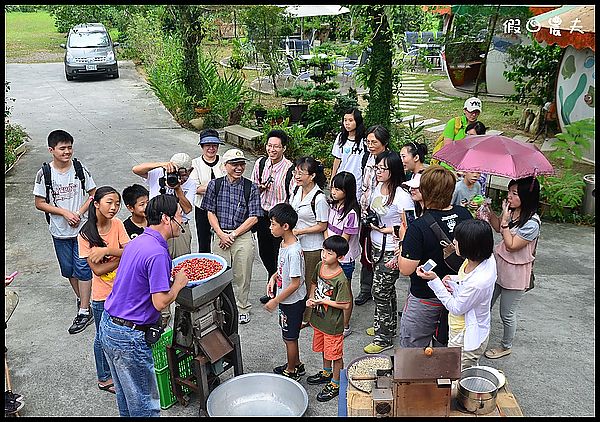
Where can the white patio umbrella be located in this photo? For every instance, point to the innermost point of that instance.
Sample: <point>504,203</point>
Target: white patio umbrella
<point>306,10</point>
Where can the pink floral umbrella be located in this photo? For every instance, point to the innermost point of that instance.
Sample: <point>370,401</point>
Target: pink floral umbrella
<point>495,154</point>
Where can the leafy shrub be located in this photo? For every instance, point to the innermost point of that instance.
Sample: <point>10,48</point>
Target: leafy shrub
<point>326,123</point>
<point>214,120</point>
<point>14,135</point>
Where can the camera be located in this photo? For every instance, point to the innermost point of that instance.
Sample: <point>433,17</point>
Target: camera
<point>172,179</point>
<point>370,218</point>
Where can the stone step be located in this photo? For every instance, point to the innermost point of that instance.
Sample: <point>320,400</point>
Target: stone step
<point>435,129</point>
<point>494,132</point>
<point>443,98</point>
<point>413,94</point>
<point>425,122</point>
<point>521,138</point>
<point>548,145</point>
<point>409,106</point>
<point>408,92</point>
<point>413,100</point>
<point>407,118</point>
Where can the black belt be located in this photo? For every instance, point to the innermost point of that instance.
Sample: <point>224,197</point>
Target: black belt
<point>125,323</point>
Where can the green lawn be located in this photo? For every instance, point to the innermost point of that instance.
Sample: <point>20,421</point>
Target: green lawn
<point>28,34</point>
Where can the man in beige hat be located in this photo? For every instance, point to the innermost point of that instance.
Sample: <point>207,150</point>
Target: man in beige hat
<point>179,184</point>
<point>233,206</point>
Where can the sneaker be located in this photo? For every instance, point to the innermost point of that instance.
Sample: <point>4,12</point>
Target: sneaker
<point>362,298</point>
<point>293,375</point>
<point>81,322</point>
<point>12,406</point>
<point>347,331</point>
<point>497,352</point>
<point>328,392</point>
<point>300,370</point>
<point>371,331</point>
<point>264,299</point>
<point>9,395</point>
<point>244,318</point>
<point>319,378</point>
<point>373,348</point>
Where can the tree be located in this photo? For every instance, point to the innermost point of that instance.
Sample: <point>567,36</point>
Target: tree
<point>381,23</point>
<point>191,24</point>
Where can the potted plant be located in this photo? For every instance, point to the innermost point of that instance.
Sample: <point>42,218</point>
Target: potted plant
<point>276,115</point>
<point>260,112</point>
<point>297,92</point>
<point>459,52</point>
<point>560,196</point>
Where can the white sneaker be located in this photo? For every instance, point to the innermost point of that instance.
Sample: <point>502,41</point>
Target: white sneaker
<point>244,318</point>
<point>347,331</point>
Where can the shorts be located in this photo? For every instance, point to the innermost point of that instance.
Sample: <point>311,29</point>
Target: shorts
<point>67,252</point>
<point>331,345</point>
<point>290,319</point>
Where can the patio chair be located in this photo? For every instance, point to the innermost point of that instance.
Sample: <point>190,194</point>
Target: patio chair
<point>427,37</point>
<point>352,65</point>
<point>411,38</point>
<point>292,73</point>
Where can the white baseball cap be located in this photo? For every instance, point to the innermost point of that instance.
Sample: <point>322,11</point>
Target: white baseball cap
<point>181,160</point>
<point>233,154</point>
<point>415,182</point>
<point>473,104</point>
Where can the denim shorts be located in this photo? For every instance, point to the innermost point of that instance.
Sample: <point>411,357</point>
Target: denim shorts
<point>67,252</point>
<point>290,319</point>
<point>348,268</point>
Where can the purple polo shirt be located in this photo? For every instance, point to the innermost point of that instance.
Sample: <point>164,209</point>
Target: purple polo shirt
<point>145,268</point>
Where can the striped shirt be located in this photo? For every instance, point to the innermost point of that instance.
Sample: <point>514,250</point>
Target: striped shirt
<point>230,207</point>
<point>276,192</point>
<point>368,185</point>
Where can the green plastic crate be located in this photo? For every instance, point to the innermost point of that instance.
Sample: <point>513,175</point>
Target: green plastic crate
<point>159,350</point>
<point>165,392</point>
<point>163,375</point>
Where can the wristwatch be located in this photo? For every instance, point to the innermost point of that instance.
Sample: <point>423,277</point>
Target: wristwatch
<point>504,227</point>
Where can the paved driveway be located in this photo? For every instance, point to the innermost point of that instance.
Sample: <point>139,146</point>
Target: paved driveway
<point>118,123</point>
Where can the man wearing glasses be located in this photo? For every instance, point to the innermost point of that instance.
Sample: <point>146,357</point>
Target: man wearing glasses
<point>273,176</point>
<point>155,174</point>
<point>233,206</point>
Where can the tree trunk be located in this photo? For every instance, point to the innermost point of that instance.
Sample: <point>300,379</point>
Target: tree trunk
<point>190,40</point>
<point>491,28</point>
<point>380,79</point>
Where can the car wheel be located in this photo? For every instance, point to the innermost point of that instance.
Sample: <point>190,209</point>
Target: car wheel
<point>69,77</point>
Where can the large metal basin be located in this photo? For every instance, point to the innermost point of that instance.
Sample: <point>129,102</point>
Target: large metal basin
<point>258,394</point>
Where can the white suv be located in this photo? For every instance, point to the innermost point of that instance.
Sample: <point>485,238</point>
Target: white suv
<point>90,51</point>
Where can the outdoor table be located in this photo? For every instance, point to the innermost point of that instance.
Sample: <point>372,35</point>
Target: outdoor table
<point>307,57</point>
<point>432,53</point>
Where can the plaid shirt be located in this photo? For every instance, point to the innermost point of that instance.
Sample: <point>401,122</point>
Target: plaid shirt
<point>230,207</point>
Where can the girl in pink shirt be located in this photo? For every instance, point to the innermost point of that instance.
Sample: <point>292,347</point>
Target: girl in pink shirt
<point>344,220</point>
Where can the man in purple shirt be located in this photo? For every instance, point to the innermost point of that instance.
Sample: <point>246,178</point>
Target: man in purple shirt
<point>140,291</point>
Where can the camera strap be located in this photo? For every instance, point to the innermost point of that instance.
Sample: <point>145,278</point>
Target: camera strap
<point>162,182</point>
<point>382,250</point>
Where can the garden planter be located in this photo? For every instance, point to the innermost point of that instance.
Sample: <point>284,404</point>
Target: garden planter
<point>457,75</point>
<point>296,110</point>
<point>201,111</point>
<point>260,116</point>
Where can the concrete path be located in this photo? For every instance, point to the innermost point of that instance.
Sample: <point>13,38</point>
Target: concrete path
<point>119,123</point>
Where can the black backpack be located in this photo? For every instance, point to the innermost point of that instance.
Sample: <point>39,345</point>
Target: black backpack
<point>47,172</point>
<point>313,201</point>
<point>247,189</point>
<point>262,161</point>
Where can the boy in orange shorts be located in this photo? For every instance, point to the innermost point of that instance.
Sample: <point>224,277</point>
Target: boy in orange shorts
<point>330,295</point>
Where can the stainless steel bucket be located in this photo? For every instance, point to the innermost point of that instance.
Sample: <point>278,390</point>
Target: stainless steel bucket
<point>477,390</point>
<point>258,394</point>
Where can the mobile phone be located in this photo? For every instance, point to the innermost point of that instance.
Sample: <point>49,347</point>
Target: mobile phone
<point>397,231</point>
<point>429,265</point>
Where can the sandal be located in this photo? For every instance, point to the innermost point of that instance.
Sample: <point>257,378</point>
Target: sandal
<point>108,387</point>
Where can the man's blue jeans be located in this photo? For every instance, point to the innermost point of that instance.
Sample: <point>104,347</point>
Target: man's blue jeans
<point>132,367</point>
<point>102,368</point>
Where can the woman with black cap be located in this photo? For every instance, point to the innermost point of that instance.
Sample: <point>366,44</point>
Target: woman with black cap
<point>206,167</point>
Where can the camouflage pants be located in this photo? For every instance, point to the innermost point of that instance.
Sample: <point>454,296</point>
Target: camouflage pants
<point>385,320</point>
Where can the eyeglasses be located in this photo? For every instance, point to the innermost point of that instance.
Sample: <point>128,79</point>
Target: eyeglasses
<point>299,173</point>
<point>379,169</point>
<point>375,142</point>
<point>274,146</point>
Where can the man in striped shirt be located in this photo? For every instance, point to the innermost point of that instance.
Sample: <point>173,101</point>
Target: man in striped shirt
<point>272,175</point>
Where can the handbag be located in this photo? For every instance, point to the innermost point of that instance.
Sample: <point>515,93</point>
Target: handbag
<point>532,276</point>
<point>451,258</point>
